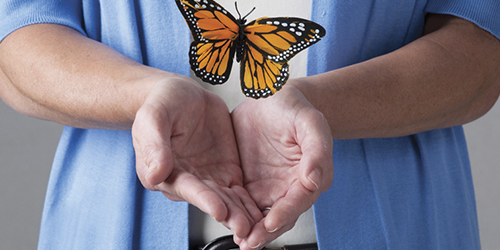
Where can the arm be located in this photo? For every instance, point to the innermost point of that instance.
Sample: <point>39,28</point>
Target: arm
<point>448,77</point>
<point>182,134</point>
<point>55,73</point>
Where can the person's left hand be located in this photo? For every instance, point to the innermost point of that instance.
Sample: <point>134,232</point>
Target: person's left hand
<point>285,147</point>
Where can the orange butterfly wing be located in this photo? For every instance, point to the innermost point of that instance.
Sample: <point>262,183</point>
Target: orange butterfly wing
<point>214,31</point>
<point>270,43</point>
<point>264,46</point>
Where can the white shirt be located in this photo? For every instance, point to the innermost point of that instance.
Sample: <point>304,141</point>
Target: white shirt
<point>202,227</point>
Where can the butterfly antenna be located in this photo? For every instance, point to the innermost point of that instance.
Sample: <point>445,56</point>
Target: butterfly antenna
<point>236,5</point>
<point>249,13</point>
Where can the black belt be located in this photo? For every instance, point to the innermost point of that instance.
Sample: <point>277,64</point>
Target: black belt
<point>227,243</point>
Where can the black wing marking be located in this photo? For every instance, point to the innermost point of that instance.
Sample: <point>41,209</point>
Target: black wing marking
<point>281,38</point>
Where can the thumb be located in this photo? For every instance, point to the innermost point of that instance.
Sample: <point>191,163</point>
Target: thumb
<point>317,168</point>
<point>313,180</point>
<point>316,143</point>
<point>157,166</point>
<point>154,157</point>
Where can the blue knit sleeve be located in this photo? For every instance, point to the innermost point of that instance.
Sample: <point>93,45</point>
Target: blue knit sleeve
<point>15,14</point>
<point>484,13</point>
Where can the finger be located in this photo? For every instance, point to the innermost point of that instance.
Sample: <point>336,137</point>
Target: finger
<point>316,165</point>
<point>238,219</point>
<point>282,216</point>
<point>237,240</point>
<point>286,211</point>
<point>158,165</point>
<point>316,170</point>
<point>237,222</point>
<point>250,205</point>
<point>191,189</point>
<point>259,237</point>
<point>154,158</point>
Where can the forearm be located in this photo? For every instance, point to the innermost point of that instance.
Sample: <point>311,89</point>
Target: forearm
<point>448,77</point>
<point>55,73</point>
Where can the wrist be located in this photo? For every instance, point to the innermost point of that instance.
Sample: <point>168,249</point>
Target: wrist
<point>308,90</point>
<point>138,89</point>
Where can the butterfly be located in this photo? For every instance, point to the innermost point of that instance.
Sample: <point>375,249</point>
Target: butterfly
<point>263,47</point>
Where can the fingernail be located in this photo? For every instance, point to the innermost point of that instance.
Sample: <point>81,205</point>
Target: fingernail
<point>153,167</point>
<point>315,178</point>
<point>274,230</point>
<point>255,247</point>
<point>216,219</point>
<point>237,238</point>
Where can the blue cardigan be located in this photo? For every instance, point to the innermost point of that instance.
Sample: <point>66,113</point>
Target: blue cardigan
<point>411,192</point>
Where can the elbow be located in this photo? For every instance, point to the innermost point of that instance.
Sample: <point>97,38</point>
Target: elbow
<point>11,96</point>
<point>483,102</point>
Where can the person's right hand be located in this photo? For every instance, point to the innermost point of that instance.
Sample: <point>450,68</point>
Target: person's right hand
<point>185,147</point>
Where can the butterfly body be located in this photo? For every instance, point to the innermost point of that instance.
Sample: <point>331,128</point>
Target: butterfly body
<point>240,49</point>
<point>263,46</point>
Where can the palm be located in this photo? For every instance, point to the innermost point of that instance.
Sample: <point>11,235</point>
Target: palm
<point>185,147</point>
<point>270,160</point>
<point>204,146</point>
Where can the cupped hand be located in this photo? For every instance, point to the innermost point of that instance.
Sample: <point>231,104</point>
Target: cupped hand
<point>185,147</point>
<point>285,147</point>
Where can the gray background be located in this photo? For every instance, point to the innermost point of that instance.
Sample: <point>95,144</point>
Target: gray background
<point>27,146</point>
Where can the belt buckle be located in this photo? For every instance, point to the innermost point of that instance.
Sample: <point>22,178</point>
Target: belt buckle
<point>227,243</point>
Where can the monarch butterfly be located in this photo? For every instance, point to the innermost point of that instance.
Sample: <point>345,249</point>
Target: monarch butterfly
<point>263,46</point>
